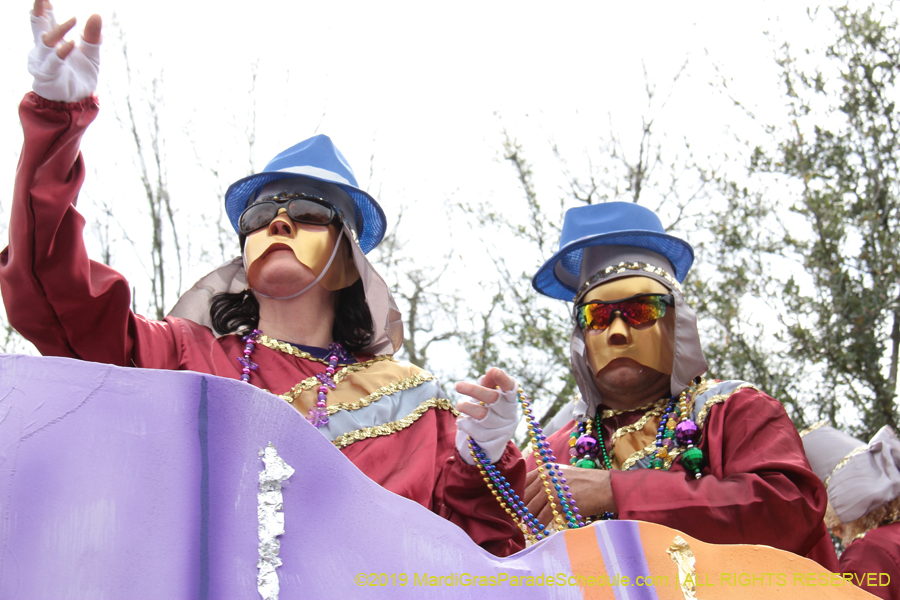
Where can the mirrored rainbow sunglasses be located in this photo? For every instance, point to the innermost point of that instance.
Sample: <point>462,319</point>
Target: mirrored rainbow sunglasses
<point>636,310</point>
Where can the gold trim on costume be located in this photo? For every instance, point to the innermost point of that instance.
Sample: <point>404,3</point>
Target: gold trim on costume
<point>652,406</point>
<point>667,461</point>
<point>813,427</point>
<point>295,391</point>
<point>311,382</point>
<point>394,426</point>
<point>843,462</point>
<point>655,411</point>
<point>286,348</point>
<point>673,454</point>
<point>675,451</point>
<point>392,388</point>
<point>718,399</point>
<point>631,460</point>
<point>636,426</point>
<point>703,387</point>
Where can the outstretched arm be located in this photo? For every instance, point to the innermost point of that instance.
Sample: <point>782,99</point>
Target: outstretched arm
<point>55,296</point>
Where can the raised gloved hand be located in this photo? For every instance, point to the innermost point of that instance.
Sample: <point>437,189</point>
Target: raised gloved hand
<point>62,70</point>
<point>492,422</point>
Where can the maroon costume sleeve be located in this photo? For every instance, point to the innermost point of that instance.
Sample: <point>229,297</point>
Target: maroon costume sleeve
<point>468,502</point>
<point>874,562</point>
<point>55,296</point>
<point>757,486</point>
<point>69,305</point>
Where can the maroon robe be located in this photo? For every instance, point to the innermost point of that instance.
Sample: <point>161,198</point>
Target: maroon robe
<point>874,561</point>
<point>68,305</point>
<point>757,485</point>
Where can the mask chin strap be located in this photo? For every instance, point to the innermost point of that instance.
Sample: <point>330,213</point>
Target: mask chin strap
<point>337,245</point>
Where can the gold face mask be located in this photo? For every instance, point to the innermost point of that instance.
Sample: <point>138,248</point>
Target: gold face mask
<point>313,246</point>
<point>650,344</point>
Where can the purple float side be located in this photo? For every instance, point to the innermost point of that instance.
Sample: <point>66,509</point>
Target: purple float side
<point>131,483</point>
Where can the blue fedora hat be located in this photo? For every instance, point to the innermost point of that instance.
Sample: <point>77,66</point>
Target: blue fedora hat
<point>609,223</point>
<point>317,158</point>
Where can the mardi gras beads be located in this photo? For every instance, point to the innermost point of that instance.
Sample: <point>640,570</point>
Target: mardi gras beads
<point>318,414</point>
<point>562,504</point>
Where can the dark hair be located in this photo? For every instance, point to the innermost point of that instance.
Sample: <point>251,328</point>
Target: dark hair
<point>353,328</point>
<point>234,313</point>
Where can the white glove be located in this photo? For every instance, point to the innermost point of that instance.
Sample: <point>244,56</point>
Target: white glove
<point>494,431</point>
<point>62,80</point>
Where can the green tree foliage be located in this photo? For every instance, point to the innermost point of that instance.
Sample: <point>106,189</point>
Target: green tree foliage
<point>814,235</point>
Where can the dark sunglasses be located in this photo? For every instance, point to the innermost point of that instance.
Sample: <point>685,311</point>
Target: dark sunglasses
<point>300,208</point>
<point>637,310</point>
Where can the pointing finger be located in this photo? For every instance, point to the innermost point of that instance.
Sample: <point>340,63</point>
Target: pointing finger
<point>53,37</point>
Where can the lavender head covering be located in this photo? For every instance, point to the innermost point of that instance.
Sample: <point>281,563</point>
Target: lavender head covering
<point>858,477</point>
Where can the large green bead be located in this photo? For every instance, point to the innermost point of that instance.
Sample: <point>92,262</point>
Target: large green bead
<point>692,459</point>
<point>586,463</point>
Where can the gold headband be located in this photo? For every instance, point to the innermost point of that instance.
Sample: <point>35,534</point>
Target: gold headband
<point>622,267</point>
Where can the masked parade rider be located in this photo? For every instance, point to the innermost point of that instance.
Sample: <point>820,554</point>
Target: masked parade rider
<point>650,439</point>
<point>863,483</point>
<point>301,313</point>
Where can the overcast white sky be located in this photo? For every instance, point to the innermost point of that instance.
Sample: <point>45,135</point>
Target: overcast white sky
<point>424,88</point>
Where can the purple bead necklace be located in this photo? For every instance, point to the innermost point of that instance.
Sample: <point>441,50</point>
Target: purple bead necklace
<point>586,450</point>
<point>318,414</point>
<point>551,474</point>
<point>545,458</point>
<point>248,365</point>
<point>533,529</point>
<point>674,431</point>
